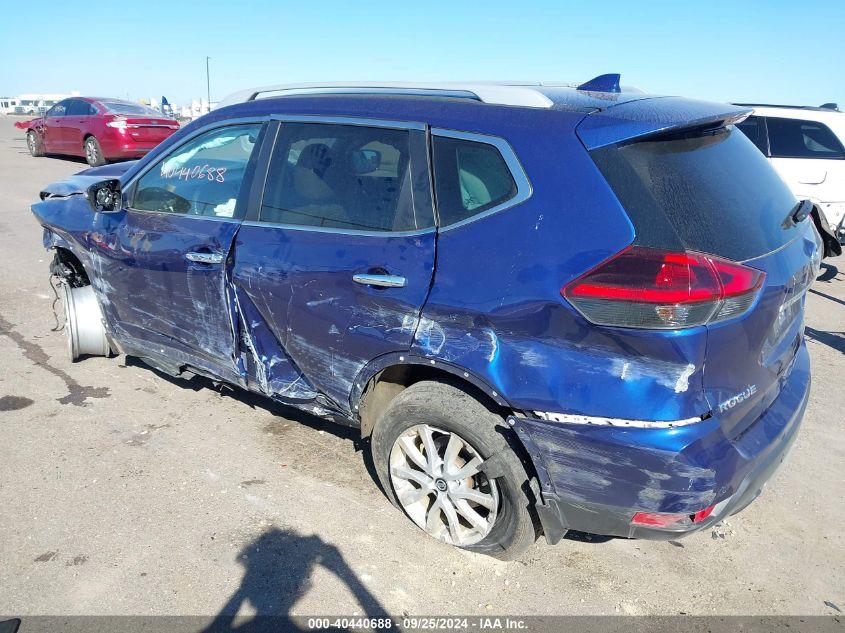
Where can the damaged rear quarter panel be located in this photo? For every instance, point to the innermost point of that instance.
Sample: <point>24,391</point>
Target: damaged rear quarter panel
<point>496,308</point>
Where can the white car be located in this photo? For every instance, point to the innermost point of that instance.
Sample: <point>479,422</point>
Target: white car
<point>806,145</point>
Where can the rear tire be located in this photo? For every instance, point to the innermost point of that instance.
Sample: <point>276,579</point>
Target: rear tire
<point>93,152</point>
<point>33,142</point>
<point>437,412</point>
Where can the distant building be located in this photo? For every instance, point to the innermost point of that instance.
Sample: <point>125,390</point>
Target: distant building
<point>31,104</point>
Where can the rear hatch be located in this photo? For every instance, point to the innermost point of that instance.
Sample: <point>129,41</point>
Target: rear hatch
<point>690,181</point>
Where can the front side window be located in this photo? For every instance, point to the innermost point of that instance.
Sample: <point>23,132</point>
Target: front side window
<point>794,138</point>
<point>60,109</point>
<point>351,177</point>
<point>202,177</point>
<point>470,177</point>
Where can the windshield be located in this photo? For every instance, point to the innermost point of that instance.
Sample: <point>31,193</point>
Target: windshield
<point>712,192</point>
<point>122,107</point>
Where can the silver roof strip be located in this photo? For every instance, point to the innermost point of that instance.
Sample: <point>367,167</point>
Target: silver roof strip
<point>501,94</point>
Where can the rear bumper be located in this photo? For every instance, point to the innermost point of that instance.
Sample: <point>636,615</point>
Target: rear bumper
<point>594,479</point>
<point>117,145</point>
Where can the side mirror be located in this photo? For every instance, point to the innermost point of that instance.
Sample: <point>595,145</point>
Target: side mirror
<point>104,196</point>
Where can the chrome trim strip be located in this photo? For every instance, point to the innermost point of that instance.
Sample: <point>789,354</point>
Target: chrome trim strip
<point>569,418</point>
<point>347,120</point>
<point>211,218</point>
<point>524,189</point>
<point>328,229</point>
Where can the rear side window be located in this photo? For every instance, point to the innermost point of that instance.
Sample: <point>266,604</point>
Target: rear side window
<point>794,138</point>
<point>755,129</point>
<point>351,177</point>
<point>202,177</point>
<point>712,192</point>
<point>470,178</point>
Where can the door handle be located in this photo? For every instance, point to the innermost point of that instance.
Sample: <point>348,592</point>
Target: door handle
<point>204,258</point>
<point>383,281</point>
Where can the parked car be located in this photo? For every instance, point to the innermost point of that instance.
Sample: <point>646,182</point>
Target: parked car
<point>542,305</point>
<point>806,145</point>
<point>101,130</point>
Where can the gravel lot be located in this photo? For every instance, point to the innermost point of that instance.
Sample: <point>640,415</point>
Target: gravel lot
<point>125,492</point>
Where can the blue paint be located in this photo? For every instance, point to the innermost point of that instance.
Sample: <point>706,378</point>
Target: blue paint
<point>282,316</point>
<point>602,83</point>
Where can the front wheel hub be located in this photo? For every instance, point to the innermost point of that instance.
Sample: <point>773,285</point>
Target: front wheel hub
<point>86,335</point>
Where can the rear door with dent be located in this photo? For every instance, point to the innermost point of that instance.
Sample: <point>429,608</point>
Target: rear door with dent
<point>335,267</point>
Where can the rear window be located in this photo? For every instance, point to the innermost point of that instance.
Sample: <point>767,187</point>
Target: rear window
<point>794,138</point>
<point>711,192</point>
<point>119,107</point>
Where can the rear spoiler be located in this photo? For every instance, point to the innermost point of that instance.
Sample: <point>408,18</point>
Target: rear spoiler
<point>638,120</point>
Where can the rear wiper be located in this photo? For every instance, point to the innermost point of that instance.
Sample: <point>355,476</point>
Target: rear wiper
<point>797,214</point>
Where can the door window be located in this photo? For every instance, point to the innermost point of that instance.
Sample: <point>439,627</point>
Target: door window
<point>755,129</point>
<point>202,177</point>
<point>349,177</point>
<point>470,177</point>
<point>77,107</point>
<point>794,138</point>
<point>60,109</point>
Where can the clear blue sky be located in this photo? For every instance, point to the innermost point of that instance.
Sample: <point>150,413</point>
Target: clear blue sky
<point>777,51</point>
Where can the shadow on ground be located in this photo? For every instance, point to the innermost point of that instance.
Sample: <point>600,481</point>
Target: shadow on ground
<point>277,572</point>
<point>828,273</point>
<point>834,340</point>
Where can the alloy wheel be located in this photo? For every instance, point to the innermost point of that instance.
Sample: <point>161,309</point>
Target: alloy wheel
<point>437,478</point>
<point>30,141</point>
<point>90,151</point>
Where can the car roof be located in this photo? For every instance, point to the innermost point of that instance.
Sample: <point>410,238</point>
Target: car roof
<point>519,94</point>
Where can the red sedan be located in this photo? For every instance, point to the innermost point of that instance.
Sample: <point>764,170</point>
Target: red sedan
<point>101,130</point>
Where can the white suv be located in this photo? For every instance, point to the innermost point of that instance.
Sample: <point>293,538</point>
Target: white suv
<point>806,145</point>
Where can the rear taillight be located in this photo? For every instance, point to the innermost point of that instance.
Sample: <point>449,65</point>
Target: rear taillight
<point>652,288</point>
<point>118,122</point>
<point>663,520</point>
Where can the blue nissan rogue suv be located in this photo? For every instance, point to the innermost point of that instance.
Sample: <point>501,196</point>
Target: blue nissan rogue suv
<point>549,308</point>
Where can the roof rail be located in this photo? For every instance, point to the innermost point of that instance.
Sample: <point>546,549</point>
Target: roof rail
<point>502,94</point>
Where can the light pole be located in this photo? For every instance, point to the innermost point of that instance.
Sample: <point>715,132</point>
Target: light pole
<point>208,83</point>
